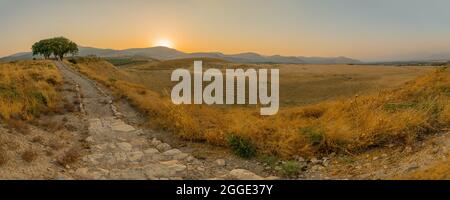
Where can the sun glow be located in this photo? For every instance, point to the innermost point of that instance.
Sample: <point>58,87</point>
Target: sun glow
<point>164,43</point>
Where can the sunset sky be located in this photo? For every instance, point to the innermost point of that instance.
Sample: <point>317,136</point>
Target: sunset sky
<point>363,29</point>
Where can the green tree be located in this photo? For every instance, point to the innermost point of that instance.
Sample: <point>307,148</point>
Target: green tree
<point>59,47</point>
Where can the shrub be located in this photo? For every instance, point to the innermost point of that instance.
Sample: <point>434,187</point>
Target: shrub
<point>290,168</point>
<point>69,157</point>
<point>241,147</point>
<point>315,135</point>
<point>29,155</point>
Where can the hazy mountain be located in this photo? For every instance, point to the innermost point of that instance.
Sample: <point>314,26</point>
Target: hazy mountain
<point>164,53</point>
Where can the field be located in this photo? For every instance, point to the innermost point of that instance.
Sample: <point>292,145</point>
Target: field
<point>299,84</point>
<point>320,112</point>
<point>27,89</point>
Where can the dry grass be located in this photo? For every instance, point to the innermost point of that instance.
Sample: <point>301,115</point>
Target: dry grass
<point>3,157</point>
<point>354,124</point>
<point>18,126</point>
<point>27,89</point>
<point>70,156</point>
<point>29,155</point>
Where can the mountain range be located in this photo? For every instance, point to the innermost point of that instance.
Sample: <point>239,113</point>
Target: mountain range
<point>164,53</point>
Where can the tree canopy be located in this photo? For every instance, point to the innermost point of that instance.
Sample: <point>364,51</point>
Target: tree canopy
<point>58,46</point>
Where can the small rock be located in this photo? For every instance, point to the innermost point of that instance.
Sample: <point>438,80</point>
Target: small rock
<point>180,156</point>
<point>317,168</point>
<point>135,156</point>
<point>90,139</point>
<point>242,174</point>
<point>125,146</point>
<point>200,169</point>
<point>122,127</point>
<point>139,132</point>
<point>163,147</point>
<point>120,156</point>
<point>151,151</point>
<point>300,159</point>
<point>220,162</point>
<point>190,159</point>
<point>407,149</point>
<point>155,142</point>
<point>172,152</point>
<point>413,167</point>
<point>315,161</point>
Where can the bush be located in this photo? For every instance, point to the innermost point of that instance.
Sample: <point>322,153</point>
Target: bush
<point>315,135</point>
<point>69,157</point>
<point>241,147</point>
<point>29,156</point>
<point>290,168</point>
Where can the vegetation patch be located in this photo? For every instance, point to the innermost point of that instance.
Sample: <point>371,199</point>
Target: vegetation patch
<point>241,147</point>
<point>290,168</point>
<point>393,107</point>
<point>28,88</point>
<point>125,61</point>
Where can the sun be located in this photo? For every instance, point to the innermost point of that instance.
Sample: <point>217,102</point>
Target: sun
<point>164,43</point>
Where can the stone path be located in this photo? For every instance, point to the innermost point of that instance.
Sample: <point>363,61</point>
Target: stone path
<point>120,151</point>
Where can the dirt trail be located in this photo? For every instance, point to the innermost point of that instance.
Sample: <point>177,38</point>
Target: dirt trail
<point>122,151</point>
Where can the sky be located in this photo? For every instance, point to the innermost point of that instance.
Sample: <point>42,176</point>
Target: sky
<point>369,30</point>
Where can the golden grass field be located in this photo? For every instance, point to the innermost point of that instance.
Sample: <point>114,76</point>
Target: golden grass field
<point>27,88</point>
<point>299,84</point>
<point>319,112</point>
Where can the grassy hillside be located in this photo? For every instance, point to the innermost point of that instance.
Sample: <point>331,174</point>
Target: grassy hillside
<point>27,89</point>
<point>351,125</point>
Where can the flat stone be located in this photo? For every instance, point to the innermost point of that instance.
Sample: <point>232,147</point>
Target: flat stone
<point>151,151</point>
<point>201,169</point>
<point>120,156</point>
<point>135,156</point>
<point>220,162</point>
<point>125,146</point>
<point>242,174</point>
<point>90,139</point>
<point>174,165</point>
<point>122,127</point>
<point>155,142</point>
<point>172,152</point>
<point>93,158</point>
<point>82,172</point>
<point>180,156</point>
<point>163,147</point>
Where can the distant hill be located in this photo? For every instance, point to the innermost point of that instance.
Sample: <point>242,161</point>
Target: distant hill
<point>164,53</point>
